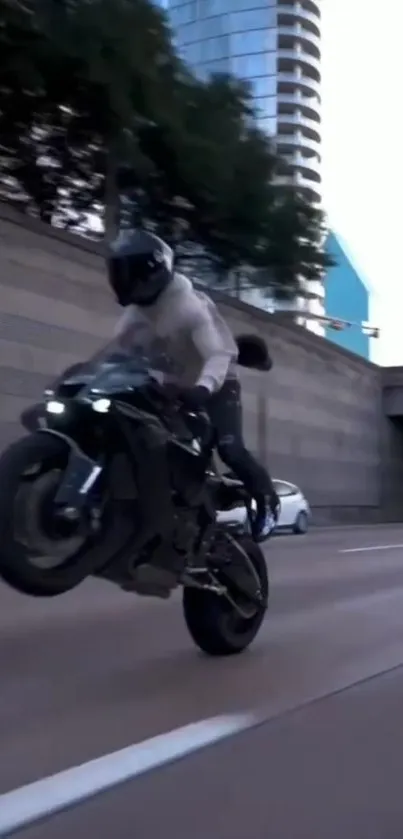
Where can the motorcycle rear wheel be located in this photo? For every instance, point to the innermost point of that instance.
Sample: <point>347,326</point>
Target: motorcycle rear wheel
<point>24,567</point>
<point>214,623</point>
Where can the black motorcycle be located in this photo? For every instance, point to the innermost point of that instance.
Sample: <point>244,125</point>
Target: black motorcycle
<point>117,481</point>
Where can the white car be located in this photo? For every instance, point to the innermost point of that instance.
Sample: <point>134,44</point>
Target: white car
<point>295,512</point>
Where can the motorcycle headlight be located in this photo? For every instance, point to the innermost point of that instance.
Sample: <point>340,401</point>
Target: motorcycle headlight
<point>55,407</point>
<point>101,406</point>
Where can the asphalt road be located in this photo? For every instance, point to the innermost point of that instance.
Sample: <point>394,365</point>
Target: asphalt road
<point>98,670</point>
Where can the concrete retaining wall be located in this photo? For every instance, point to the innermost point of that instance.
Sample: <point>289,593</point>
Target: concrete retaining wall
<point>316,418</point>
<point>320,418</point>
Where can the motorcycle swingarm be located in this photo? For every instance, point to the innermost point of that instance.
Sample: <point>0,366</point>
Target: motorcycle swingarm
<point>80,476</point>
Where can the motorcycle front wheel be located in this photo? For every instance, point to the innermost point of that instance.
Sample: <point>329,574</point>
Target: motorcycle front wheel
<point>39,555</point>
<point>223,626</point>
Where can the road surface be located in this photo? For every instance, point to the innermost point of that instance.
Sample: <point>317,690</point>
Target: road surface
<point>98,670</point>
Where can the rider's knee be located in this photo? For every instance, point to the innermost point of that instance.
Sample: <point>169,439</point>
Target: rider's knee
<point>230,450</point>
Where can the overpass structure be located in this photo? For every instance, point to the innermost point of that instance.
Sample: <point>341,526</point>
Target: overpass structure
<point>393,392</point>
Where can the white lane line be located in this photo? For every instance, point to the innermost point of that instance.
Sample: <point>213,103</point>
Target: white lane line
<point>44,798</point>
<point>370,548</point>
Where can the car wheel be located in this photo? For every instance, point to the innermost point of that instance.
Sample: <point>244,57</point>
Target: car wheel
<point>301,523</point>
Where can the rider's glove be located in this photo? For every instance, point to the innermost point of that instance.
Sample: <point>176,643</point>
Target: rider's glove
<point>196,397</point>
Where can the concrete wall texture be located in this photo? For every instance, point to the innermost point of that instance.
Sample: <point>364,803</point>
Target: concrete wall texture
<point>317,418</point>
<point>347,298</point>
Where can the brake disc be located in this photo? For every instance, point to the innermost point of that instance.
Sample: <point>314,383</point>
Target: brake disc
<point>48,547</point>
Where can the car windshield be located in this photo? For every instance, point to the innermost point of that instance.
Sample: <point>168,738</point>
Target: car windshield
<point>115,368</point>
<point>283,488</point>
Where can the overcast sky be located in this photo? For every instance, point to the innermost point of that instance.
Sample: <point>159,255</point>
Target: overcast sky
<point>362,131</point>
<point>363,173</point>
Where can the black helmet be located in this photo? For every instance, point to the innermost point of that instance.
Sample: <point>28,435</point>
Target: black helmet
<point>140,266</point>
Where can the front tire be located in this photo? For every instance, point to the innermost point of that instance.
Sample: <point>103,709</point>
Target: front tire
<point>214,624</point>
<point>19,563</point>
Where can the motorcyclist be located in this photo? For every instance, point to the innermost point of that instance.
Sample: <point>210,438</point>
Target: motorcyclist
<point>164,305</point>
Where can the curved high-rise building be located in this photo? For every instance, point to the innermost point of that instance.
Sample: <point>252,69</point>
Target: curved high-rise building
<point>298,92</point>
<point>275,45</point>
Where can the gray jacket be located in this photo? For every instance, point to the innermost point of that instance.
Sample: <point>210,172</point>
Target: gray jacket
<point>185,325</point>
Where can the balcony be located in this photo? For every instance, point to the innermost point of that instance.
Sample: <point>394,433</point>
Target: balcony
<point>299,12</point>
<point>303,180</point>
<point>305,83</point>
<point>296,141</point>
<point>310,173</point>
<point>299,33</point>
<point>290,19</point>
<point>305,164</point>
<point>287,58</point>
<point>313,290</point>
<point>311,126</point>
<point>297,157</point>
<point>309,105</point>
<point>313,195</point>
<point>306,185</point>
<point>301,167</point>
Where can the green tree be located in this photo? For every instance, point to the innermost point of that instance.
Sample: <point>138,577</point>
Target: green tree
<point>94,102</point>
<point>211,192</point>
<point>292,253</point>
<point>79,79</point>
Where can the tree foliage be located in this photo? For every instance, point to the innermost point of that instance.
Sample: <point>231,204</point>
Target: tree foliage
<point>93,94</point>
<point>79,79</point>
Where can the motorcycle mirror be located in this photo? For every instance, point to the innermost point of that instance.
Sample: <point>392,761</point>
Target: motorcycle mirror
<point>253,353</point>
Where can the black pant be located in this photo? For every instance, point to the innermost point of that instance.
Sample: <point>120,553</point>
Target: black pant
<point>225,411</point>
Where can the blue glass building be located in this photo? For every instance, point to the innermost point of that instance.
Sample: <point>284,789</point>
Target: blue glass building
<point>275,46</point>
<point>347,298</point>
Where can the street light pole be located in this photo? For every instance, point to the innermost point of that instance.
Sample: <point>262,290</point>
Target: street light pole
<point>338,324</point>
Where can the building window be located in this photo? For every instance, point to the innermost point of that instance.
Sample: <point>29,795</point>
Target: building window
<point>191,53</point>
<point>251,66</point>
<point>248,20</point>
<point>266,106</point>
<point>266,86</point>
<point>208,8</point>
<point>213,48</point>
<point>258,40</point>
<point>268,125</point>
<point>186,13</point>
<point>219,66</point>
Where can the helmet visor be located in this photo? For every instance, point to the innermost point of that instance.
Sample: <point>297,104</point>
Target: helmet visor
<point>131,278</point>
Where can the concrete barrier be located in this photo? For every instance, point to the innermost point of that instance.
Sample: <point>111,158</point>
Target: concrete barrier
<point>316,418</point>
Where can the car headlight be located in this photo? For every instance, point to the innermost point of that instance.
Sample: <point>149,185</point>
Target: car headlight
<point>101,406</point>
<point>54,407</point>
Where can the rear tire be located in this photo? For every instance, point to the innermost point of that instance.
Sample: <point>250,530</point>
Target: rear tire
<point>17,568</point>
<point>213,623</point>
<point>301,523</point>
